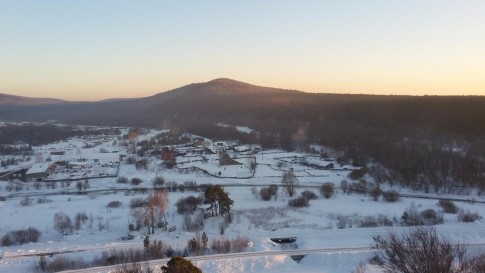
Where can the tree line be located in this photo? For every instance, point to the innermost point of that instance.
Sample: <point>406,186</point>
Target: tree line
<point>434,143</point>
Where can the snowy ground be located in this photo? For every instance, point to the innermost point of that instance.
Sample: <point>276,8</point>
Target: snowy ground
<point>316,227</point>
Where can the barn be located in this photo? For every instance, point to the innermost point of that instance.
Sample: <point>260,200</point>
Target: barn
<point>38,171</point>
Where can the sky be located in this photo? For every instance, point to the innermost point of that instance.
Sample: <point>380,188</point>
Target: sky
<point>99,49</point>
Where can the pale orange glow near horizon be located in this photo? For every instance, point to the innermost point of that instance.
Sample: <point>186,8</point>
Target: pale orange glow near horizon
<point>92,50</point>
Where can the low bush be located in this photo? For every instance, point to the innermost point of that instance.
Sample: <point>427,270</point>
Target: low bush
<point>114,204</point>
<point>158,182</point>
<point>327,190</point>
<point>122,180</point>
<point>43,200</point>
<point>390,195</point>
<point>431,217</point>
<point>3,198</point>
<point>20,237</point>
<point>448,206</point>
<point>224,245</point>
<point>309,195</point>
<point>135,181</point>
<point>300,202</point>
<point>26,202</point>
<point>357,174</point>
<point>138,202</point>
<point>467,216</point>
<point>188,204</point>
<point>135,226</point>
<point>191,185</point>
<point>172,186</point>
<point>266,193</point>
<point>360,187</point>
<point>368,221</point>
<point>375,193</point>
<point>413,217</point>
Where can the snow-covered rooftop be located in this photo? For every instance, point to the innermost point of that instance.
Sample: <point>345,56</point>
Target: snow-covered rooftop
<point>38,168</point>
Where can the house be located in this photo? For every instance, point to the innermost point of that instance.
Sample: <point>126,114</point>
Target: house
<point>38,171</point>
<point>168,154</point>
<point>225,160</point>
<point>77,165</point>
<point>198,143</point>
<point>218,146</point>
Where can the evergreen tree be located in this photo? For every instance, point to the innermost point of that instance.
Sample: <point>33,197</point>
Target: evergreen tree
<point>180,265</point>
<point>205,240</point>
<point>219,200</point>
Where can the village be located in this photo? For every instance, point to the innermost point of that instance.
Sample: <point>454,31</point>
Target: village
<point>103,177</point>
<point>91,157</point>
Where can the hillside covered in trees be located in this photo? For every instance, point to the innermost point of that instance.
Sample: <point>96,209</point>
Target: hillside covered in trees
<point>431,143</point>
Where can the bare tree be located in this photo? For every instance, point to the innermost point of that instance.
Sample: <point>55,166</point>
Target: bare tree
<point>252,164</point>
<point>153,212</point>
<point>158,182</point>
<point>62,223</point>
<point>327,190</point>
<point>289,182</point>
<point>157,204</point>
<point>133,267</point>
<point>142,215</point>
<point>420,250</point>
<point>376,192</point>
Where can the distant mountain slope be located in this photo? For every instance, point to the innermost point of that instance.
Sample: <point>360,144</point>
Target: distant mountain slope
<point>266,109</point>
<point>422,141</point>
<point>19,100</point>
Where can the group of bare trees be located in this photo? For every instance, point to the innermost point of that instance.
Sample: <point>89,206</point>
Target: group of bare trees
<point>267,192</point>
<point>153,213</point>
<point>62,223</point>
<point>423,250</point>
<point>20,237</point>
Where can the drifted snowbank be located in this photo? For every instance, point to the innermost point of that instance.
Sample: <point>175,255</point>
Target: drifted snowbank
<point>341,262</point>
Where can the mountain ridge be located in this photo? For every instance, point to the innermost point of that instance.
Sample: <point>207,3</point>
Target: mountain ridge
<point>278,111</point>
<point>7,99</point>
<point>218,86</point>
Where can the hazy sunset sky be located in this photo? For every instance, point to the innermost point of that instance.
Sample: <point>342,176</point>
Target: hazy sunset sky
<point>91,50</point>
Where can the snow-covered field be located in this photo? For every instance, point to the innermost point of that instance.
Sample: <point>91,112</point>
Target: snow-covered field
<point>319,229</point>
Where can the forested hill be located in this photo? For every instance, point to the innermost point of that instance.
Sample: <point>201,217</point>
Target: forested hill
<point>413,136</point>
<point>233,102</point>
